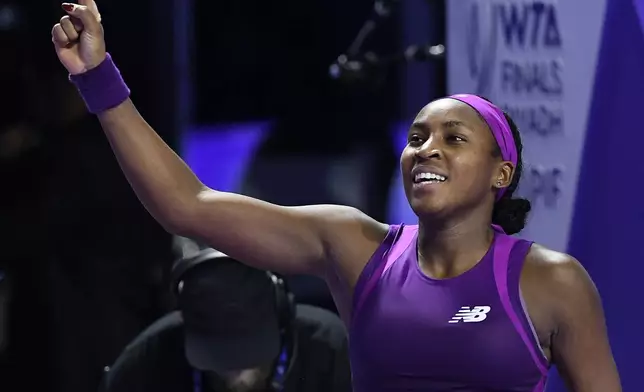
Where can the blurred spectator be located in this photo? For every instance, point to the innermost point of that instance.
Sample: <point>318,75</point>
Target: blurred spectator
<point>237,331</point>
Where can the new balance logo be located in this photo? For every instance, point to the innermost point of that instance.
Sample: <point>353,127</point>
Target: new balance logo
<point>471,315</point>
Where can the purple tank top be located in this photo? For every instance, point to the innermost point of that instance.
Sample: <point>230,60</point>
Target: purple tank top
<point>468,333</point>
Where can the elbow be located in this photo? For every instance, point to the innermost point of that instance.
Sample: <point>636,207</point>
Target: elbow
<point>181,217</point>
<point>176,222</point>
<point>175,227</point>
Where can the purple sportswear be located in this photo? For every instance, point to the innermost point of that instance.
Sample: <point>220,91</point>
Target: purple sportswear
<point>468,333</point>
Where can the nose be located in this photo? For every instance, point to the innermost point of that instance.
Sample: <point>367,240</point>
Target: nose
<point>430,149</point>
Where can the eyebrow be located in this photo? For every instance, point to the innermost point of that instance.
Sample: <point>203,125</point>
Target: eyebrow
<point>450,124</point>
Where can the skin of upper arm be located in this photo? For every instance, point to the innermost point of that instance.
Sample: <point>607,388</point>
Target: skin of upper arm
<point>580,346</point>
<point>288,240</point>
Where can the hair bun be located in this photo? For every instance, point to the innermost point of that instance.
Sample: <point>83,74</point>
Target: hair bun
<point>511,214</point>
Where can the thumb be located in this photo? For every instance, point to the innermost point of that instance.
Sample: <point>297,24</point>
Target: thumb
<point>90,21</point>
<point>91,5</point>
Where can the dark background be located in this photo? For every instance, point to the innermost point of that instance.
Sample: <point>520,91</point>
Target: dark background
<point>87,265</point>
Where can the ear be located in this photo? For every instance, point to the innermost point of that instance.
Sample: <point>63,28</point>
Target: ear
<point>504,175</point>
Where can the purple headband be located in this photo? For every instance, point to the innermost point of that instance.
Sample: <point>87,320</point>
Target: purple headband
<point>498,125</point>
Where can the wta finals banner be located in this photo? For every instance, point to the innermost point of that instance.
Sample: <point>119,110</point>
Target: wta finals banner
<point>535,59</point>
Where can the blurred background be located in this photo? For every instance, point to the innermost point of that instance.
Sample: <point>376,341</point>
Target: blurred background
<point>301,103</point>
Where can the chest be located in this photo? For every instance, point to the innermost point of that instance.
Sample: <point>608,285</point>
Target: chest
<point>457,332</point>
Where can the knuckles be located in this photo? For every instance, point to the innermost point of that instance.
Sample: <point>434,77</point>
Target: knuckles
<point>80,17</point>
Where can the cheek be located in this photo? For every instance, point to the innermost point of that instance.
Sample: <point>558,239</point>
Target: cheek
<point>472,171</point>
<point>406,159</point>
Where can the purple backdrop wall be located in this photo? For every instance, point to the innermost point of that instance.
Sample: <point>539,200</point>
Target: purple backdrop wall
<point>608,222</point>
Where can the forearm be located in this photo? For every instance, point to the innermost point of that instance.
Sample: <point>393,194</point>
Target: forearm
<point>262,234</point>
<point>162,181</point>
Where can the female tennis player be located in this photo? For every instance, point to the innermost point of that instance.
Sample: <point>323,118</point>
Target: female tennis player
<point>451,304</point>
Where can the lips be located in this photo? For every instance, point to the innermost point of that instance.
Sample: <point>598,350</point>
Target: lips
<point>425,175</point>
<point>429,177</point>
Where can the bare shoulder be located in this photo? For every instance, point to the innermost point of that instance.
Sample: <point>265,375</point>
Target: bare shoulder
<point>563,282</point>
<point>555,268</point>
<point>571,307</point>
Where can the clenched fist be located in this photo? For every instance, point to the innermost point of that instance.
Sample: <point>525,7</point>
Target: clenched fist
<point>78,37</point>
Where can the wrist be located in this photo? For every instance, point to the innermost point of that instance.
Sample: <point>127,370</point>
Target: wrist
<point>101,87</point>
<point>100,60</point>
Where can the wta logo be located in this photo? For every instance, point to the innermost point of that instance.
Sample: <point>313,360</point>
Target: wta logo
<point>501,39</point>
<point>481,45</point>
<point>470,315</point>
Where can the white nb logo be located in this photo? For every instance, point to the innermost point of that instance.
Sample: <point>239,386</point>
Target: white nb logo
<point>471,315</point>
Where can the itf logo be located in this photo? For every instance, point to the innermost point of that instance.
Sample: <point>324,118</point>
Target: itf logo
<point>481,45</point>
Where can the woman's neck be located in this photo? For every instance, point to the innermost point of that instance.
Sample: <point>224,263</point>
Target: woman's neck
<point>449,249</point>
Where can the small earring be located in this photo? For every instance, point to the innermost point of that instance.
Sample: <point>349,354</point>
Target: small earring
<point>498,183</point>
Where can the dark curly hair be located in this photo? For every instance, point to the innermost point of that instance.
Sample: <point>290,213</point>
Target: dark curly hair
<point>511,213</point>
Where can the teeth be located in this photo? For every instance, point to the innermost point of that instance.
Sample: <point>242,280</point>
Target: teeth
<point>432,177</point>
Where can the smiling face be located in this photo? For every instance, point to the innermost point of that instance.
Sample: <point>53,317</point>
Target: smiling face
<point>451,161</point>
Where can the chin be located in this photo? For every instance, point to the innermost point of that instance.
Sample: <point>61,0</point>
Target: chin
<point>424,209</point>
<point>429,205</point>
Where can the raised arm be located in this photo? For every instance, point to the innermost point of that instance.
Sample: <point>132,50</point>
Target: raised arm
<point>264,235</point>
